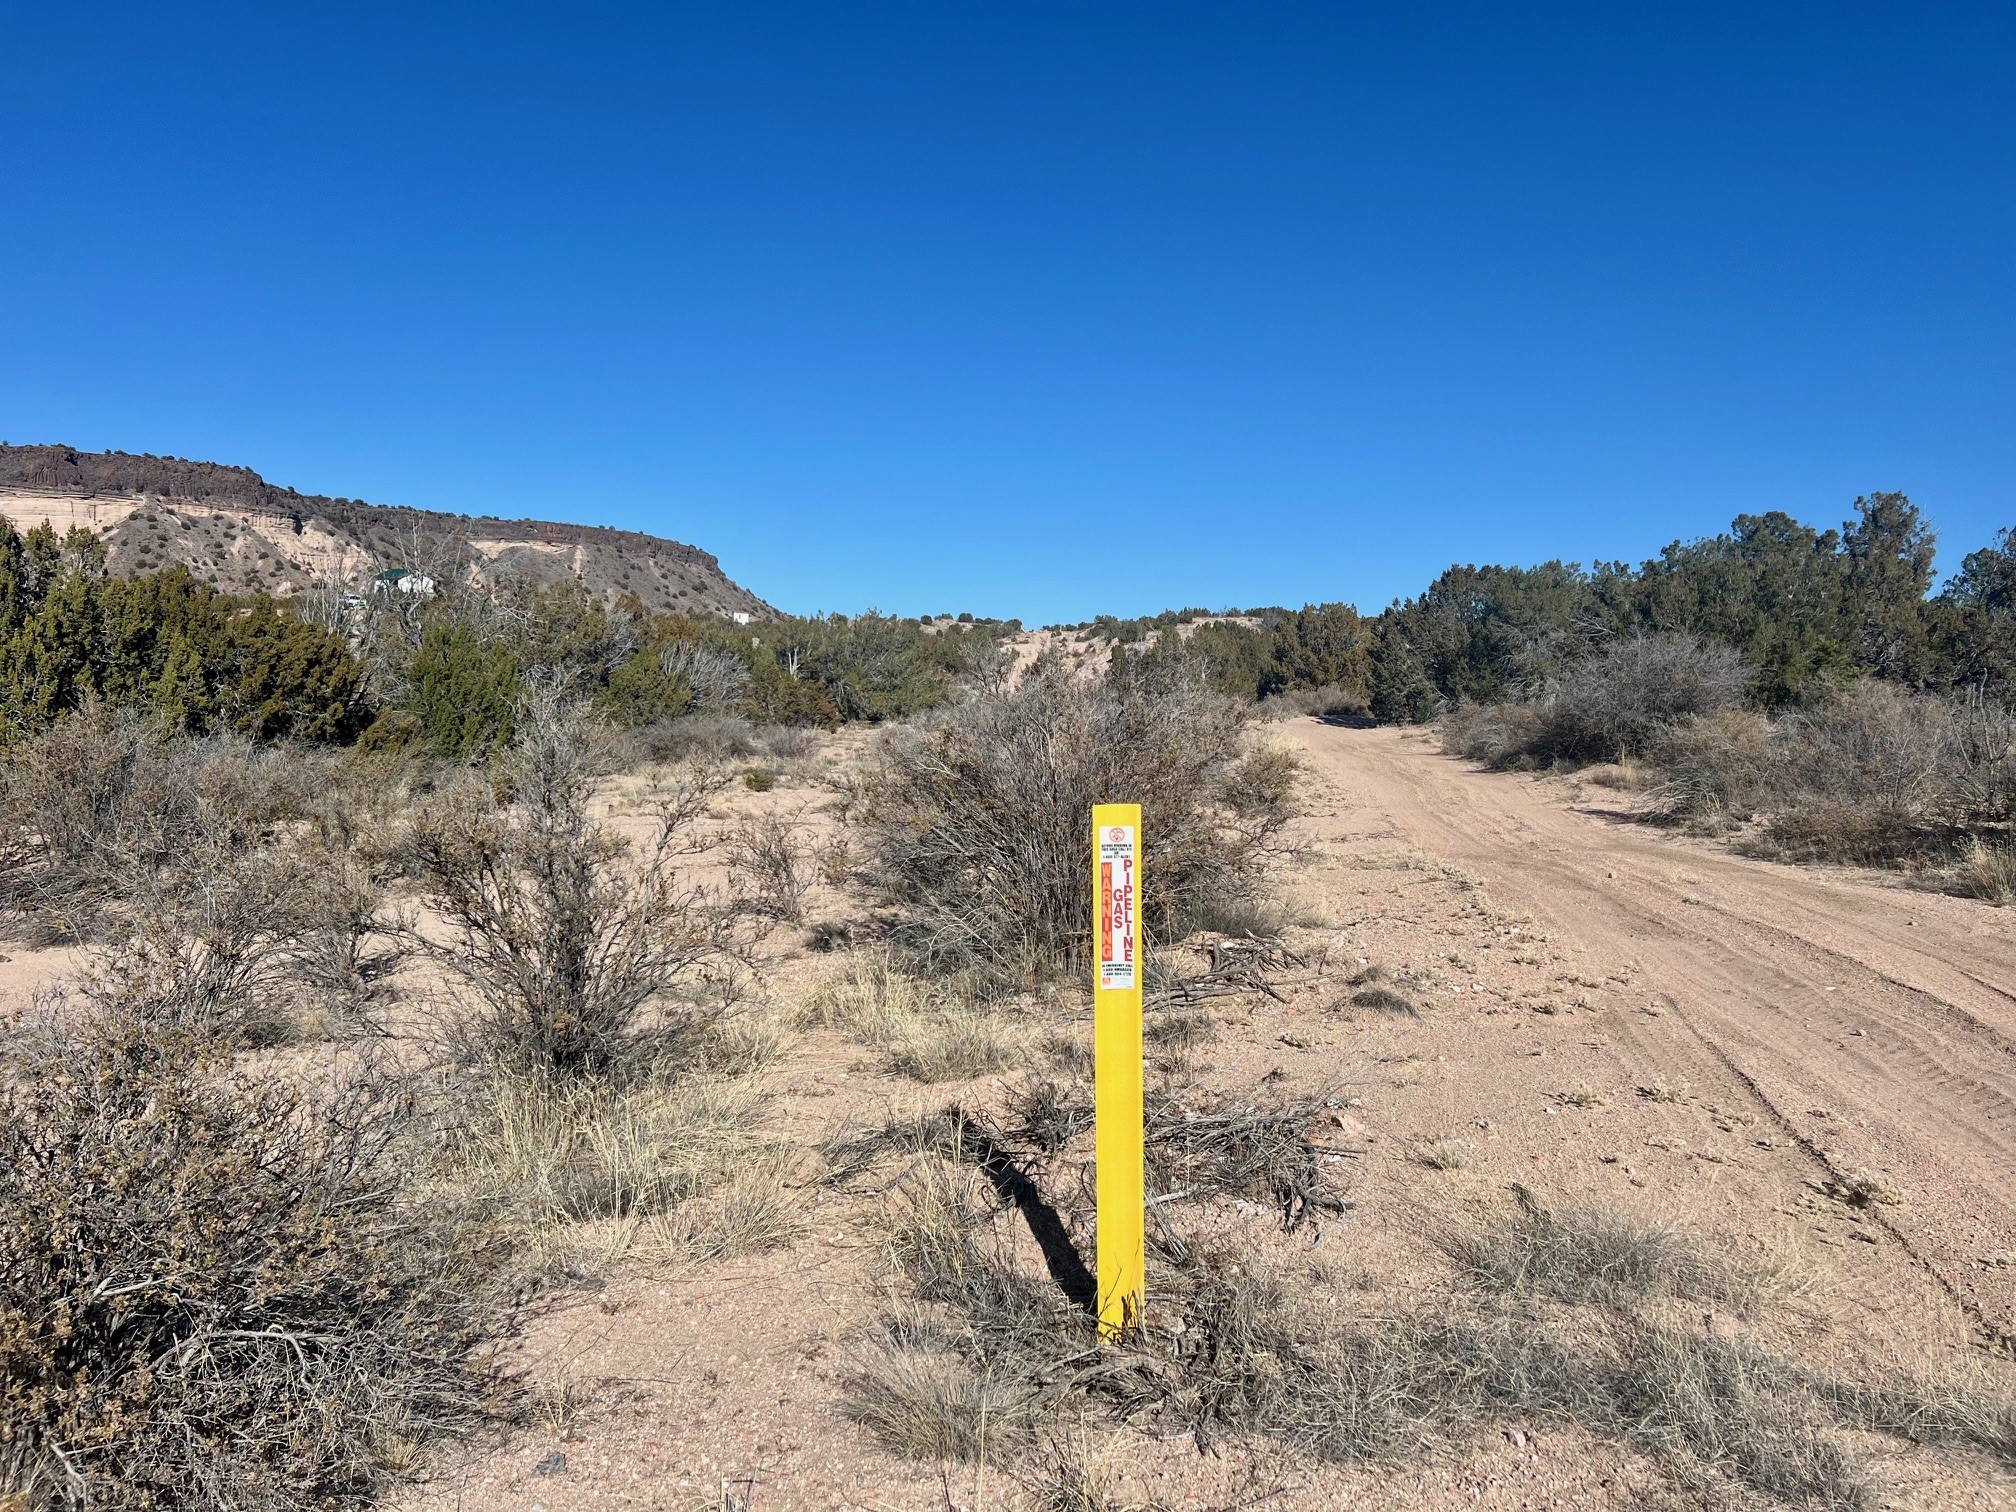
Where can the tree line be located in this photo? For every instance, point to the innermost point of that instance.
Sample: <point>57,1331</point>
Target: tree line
<point>1804,608</point>
<point>446,674</point>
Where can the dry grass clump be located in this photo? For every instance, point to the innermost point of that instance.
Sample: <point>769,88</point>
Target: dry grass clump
<point>1866,1189</point>
<point>554,1152</point>
<point>1712,1410</point>
<point>1237,1346</point>
<point>224,1289</point>
<point>1374,999</point>
<point>570,945</point>
<point>1074,1474</point>
<point>926,1405</point>
<point>754,1210</point>
<point>919,1035</point>
<point>1445,1154</point>
<point>1180,1032</point>
<point>954,1044</point>
<point>1370,993</point>
<point>870,998</point>
<point>1588,1255</point>
<point>582,1172</point>
<point>1822,829</point>
<point>1986,871</point>
<point>975,821</point>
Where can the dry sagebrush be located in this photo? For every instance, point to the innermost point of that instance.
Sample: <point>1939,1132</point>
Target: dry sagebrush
<point>569,941</point>
<point>212,1290</point>
<point>1870,773</point>
<point>103,804</point>
<point>1611,704</point>
<point>977,822</point>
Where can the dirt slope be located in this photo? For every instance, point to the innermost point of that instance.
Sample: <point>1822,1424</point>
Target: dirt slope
<point>1874,1027</point>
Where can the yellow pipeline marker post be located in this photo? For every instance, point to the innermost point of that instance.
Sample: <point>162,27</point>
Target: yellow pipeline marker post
<point>1120,1175</point>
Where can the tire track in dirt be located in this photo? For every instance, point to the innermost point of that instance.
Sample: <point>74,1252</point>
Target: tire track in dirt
<point>1876,1026</point>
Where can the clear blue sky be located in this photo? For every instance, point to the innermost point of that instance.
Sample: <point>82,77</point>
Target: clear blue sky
<point>915,306</point>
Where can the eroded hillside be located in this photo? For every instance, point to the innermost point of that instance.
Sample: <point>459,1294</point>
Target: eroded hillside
<point>231,527</point>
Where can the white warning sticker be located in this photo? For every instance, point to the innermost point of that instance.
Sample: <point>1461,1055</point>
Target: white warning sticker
<point>1118,927</point>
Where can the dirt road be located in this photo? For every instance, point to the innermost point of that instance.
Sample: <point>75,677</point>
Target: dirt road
<point>1873,1025</point>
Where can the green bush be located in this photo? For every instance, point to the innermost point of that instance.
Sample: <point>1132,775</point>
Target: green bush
<point>189,656</point>
<point>465,691</point>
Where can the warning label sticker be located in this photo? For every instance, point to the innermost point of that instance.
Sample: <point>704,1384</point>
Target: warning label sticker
<point>1118,927</point>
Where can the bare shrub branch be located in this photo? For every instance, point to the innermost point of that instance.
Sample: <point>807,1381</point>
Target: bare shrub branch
<point>767,853</point>
<point>571,941</point>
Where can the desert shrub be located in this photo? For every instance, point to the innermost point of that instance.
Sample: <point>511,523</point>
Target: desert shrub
<point>1609,705</point>
<point>767,855</point>
<point>1715,765</point>
<point>102,804</point>
<point>673,676</point>
<point>1333,704</point>
<point>567,938</point>
<point>790,742</point>
<point>1500,736</point>
<point>339,949</point>
<point>717,738</point>
<point>216,1287</point>
<point>977,821</point>
<point>209,950</point>
<point>1866,776</point>
<point>1874,746</point>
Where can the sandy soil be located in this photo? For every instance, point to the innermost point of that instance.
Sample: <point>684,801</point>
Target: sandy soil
<point>1610,1015</point>
<point>1861,1024</point>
